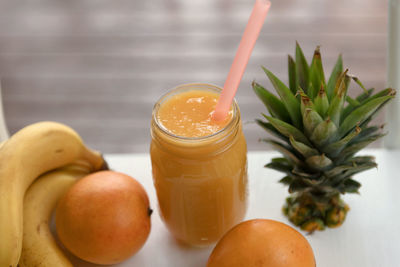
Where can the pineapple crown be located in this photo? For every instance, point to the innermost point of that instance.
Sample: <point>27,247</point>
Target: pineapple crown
<point>320,128</point>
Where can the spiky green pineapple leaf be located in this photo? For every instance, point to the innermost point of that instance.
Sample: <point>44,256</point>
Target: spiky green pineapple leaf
<point>359,99</point>
<point>311,183</point>
<point>336,105</point>
<point>360,114</point>
<point>317,76</point>
<point>355,147</point>
<point>333,149</point>
<point>350,186</point>
<point>292,75</point>
<point>280,164</point>
<point>285,150</point>
<point>306,173</point>
<point>287,180</point>
<point>338,170</point>
<point>275,107</point>
<point>354,78</point>
<point>350,108</point>
<point>287,129</point>
<point>272,130</point>
<point>384,92</point>
<point>361,160</point>
<point>336,71</point>
<point>319,162</point>
<point>282,161</point>
<point>287,97</point>
<point>311,119</point>
<point>364,95</point>
<point>317,62</point>
<point>297,185</point>
<point>365,134</point>
<point>353,102</point>
<point>376,112</point>
<point>305,101</point>
<point>279,167</point>
<point>310,90</point>
<point>359,168</point>
<point>302,69</point>
<point>303,149</point>
<point>321,102</point>
<point>323,133</point>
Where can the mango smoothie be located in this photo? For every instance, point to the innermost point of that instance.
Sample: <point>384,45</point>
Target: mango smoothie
<point>199,166</point>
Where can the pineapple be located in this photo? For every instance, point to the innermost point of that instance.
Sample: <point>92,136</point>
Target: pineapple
<point>319,130</point>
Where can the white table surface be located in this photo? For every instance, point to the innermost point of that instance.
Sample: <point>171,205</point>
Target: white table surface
<point>370,236</point>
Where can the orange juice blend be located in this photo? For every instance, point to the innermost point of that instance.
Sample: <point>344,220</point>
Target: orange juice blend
<point>199,166</point>
<point>188,114</point>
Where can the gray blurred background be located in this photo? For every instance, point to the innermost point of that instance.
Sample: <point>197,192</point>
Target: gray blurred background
<point>100,65</point>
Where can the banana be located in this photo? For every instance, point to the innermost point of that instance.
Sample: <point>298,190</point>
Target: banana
<point>38,246</point>
<point>34,150</point>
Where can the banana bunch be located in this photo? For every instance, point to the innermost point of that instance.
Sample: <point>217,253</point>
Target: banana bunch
<point>56,154</point>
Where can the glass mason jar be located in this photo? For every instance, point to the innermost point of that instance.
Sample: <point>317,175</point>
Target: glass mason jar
<point>201,182</point>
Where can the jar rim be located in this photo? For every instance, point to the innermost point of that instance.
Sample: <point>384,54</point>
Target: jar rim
<point>188,87</point>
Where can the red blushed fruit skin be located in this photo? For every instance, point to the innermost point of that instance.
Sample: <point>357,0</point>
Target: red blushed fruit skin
<point>104,218</point>
<point>262,243</point>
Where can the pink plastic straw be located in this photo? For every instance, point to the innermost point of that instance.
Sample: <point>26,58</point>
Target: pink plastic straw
<point>243,53</point>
